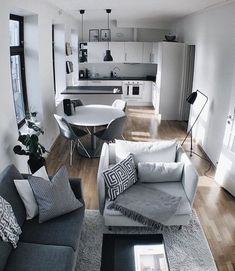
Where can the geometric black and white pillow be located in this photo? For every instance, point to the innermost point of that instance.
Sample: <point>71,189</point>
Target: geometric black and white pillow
<point>9,227</point>
<point>120,177</point>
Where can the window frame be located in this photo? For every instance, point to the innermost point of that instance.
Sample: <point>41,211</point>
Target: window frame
<point>19,51</point>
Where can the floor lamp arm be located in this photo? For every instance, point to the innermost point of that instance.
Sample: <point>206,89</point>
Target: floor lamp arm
<point>196,117</point>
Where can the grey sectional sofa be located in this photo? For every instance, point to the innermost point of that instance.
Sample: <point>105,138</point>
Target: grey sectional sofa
<point>52,245</point>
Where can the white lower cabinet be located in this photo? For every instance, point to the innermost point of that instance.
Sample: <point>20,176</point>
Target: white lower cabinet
<point>155,97</point>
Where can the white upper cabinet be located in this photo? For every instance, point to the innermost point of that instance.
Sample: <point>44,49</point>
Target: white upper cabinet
<point>147,52</point>
<point>133,52</point>
<point>117,51</point>
<point>154,56</point>
<point>96,51</point>
<point>123,52</point>
<point>150,52</point>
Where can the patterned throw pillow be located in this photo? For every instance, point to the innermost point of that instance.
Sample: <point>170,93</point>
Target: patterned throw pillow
<point>120,177</point>
<point>54,198</point>
<point>9,227</point>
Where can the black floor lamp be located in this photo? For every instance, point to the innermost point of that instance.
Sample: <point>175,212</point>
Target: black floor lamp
<point>191,99</point>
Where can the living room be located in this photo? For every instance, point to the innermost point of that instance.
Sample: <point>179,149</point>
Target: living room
<point>209,25</point>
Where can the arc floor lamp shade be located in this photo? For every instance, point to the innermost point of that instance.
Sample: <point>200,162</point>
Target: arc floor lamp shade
<point>108,56</point>
<point>191,99</point>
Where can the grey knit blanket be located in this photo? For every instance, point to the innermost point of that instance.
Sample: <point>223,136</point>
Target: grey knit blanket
<point>148,206</point>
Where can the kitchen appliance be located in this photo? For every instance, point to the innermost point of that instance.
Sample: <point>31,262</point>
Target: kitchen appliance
<point>133,90</point>
<point>67,107</point>
<point>81,74</point>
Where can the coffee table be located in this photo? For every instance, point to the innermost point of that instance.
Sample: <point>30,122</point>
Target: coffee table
<point>133,252</point>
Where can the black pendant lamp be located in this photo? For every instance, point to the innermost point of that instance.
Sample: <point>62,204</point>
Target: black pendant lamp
<point>108,56</point>
<point>83,57</point>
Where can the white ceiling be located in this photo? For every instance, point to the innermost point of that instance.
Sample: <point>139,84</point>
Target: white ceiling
<point>164,11</point>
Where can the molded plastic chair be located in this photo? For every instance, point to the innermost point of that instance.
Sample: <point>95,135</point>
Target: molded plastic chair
<point>71,133</point>
<point>77,103</point>
<point>113,130</point>
<point>119,104</point>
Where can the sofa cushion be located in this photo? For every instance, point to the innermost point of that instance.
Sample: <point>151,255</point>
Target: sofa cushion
<point>158,151</point>
<point>28,257</point>
<point>5,251</point>
<point>54,198</point>
<point>63,231</point>
<point>120,177</point>
<point>172,188</point>
<point>160,172</point>
<point>9,192</point>
<point>26,193</point>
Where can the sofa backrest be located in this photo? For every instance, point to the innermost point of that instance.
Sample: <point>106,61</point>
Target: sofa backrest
<point>10,194</point>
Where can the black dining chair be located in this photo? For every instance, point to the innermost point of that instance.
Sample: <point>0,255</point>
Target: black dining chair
<point>114,130</point>
<point>71,133</point>
<point>76,103</point>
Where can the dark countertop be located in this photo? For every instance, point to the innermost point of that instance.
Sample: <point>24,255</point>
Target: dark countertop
<point>93,90</point>
<point>146,78</point>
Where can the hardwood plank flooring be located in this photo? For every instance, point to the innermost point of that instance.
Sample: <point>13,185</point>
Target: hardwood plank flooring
<point>215,207</point>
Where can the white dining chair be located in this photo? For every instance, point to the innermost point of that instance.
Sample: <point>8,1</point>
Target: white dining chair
<point>120,104</point>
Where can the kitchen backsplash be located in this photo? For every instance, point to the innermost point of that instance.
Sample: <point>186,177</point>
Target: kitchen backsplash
<point>121,70</point>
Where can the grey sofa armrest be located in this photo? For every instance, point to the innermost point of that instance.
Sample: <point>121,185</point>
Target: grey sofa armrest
<point>190,176</point>
<point>103,165</point>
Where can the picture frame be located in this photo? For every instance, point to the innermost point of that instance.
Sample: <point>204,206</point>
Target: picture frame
<point>105,35</point>
<point>94,35</point>
<point>68,49</point>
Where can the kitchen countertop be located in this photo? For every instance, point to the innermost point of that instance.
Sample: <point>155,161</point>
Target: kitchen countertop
<point>93,90</point>
<point>146,78</point>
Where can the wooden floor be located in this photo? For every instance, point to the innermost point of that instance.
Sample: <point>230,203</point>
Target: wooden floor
<point>214,206</point>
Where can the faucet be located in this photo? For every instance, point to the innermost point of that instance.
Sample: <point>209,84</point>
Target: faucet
<point>115,71</point>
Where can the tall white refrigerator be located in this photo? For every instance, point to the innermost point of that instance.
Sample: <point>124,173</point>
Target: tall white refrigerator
<point>174,79</point>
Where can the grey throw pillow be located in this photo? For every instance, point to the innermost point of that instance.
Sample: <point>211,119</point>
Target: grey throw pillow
<point>121,176</point>
<point>160,172</point>
<point>54,198</point>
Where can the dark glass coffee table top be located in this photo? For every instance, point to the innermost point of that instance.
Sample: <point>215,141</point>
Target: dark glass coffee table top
<point>133,252</point>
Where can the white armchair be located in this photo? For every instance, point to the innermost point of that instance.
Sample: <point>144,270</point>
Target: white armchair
<point>186,189</point>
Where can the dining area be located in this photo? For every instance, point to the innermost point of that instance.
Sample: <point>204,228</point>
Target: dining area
<point>87,127</point>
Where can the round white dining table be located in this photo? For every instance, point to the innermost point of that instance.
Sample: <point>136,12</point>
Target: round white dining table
<point>92,116</point>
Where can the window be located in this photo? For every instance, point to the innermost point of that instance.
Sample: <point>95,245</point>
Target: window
<point>18,67</point>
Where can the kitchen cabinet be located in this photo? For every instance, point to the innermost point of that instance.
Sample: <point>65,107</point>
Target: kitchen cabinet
<point>133,52</point>
<point>150,52</point>
<point>117,51</point>
<point>96,52</point>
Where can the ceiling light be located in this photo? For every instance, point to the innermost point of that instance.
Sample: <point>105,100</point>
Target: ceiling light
<point>83,57</point>
<point>108,56</point>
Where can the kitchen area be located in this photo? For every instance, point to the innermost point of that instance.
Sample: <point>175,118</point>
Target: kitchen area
<point>157,74</point>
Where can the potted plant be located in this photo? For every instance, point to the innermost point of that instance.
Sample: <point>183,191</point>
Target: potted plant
<point>31,147</point>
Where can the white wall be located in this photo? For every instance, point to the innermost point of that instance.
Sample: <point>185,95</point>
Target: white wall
<point>44,82</point>
<point>124,33</point>
<point>213,33</point>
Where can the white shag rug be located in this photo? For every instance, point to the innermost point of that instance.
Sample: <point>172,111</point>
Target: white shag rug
<point>187,249</point>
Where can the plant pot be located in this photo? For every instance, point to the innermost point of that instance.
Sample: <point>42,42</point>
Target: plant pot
<point>36,163</point>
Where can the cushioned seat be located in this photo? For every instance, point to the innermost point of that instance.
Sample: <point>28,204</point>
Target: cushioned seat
<point>55,231</point>
<point>28,257</point>
<point>173,188</point>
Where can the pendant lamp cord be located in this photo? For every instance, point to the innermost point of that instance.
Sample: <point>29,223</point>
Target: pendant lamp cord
<point>108,30</point>
<point>82,28</point>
